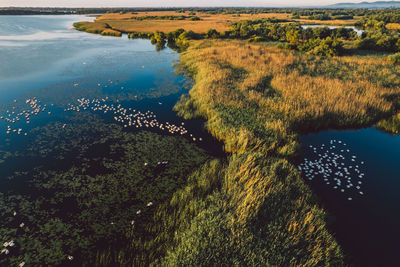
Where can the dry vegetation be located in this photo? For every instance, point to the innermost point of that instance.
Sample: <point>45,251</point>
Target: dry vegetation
<point>287,91</point>
<point>219,22</point>
<point>257,100</point>
<point>334,22</point>
<point>393,26</point>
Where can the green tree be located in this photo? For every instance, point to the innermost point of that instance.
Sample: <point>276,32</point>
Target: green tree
<point>293,36</point>
<point>212,34</point>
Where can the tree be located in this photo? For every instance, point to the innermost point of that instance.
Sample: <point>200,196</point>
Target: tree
<point>212,34</point>
<point>293,36</point>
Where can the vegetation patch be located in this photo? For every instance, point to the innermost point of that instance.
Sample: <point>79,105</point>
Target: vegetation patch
<point>391,125</point>
<point>274,215</point>
<point>113,185</point>
<point>394,59</point>
<point>110,32</point>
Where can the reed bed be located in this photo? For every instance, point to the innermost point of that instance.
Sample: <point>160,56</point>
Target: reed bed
<point>258,99</point>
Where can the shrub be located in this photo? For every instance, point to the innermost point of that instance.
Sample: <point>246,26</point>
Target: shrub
<point>343,17</point>
<point>195,18</point>
<point>379,41</point>
<point>394,59</point>
<point>212,34</point>
<point>322,47</point>
<point>256,39</point>
<point>110,32</point>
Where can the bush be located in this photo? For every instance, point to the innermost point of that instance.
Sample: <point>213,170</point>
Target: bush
<point>110,32</point>
<point>343,17</point>
<point>212,34</point>
<point>322,47</point>
<point>379,41</point>
<point>394,59</point>
<point>319,17</point>
<point>256,39</point>
<point>285,46</point>
<point>195,18</point>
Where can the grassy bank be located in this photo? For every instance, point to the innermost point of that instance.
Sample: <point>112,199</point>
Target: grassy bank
<point>390,125</point>
<point>257,100</point>
<point>96,28</point>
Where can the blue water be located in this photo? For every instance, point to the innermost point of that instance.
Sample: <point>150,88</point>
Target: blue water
<point>43,57</point>
<point>49,54</point>
<point>367,227</point>
<point>47,70</point>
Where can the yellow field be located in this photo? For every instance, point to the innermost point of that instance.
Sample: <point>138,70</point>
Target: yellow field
<point>313,92</point>
<point>393,26</point>
<point>220,22</point>
<point>304,20</point>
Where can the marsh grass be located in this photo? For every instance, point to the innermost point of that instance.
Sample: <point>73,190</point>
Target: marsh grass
<point>391,125</point>
<point>305,89</point>
<point>91,27</point>
<point>110,32</point>
<point>97,28</point>
<point>257,99</point>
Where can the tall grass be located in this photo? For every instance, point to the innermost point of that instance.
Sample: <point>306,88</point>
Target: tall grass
<point>143,247</point>
<point>257,100</point>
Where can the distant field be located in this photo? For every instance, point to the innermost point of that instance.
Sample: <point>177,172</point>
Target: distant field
<point>336,22</point>
<point>220,22</point>
<point>168,21</point>
<point>393,26</point>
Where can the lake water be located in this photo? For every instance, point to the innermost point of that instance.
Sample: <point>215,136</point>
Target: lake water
<point>359,32</point>
<point>58,85</point>
<point>367,225</point>
<point>44,58</point>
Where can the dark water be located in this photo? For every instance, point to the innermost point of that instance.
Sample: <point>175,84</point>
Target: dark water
<point>367,226</point>
<point>42,58</point>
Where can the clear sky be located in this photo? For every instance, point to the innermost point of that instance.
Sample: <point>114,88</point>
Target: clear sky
<point>168,3</point>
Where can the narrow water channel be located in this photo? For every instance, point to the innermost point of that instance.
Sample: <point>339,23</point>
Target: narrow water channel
<point>366,225</point>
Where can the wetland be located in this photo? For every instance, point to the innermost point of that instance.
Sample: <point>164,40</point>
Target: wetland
<point>262,142</point>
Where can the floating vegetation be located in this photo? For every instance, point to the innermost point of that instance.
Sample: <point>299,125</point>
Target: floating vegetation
<point>336,166</point>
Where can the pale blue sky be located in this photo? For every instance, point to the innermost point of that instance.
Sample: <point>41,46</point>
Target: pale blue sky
<point>167,3</point>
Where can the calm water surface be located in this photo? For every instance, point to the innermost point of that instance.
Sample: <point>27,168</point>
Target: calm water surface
<point>43,57</point>
<point>47,71</point>
<point>367,226</point>
<point>358,31</point>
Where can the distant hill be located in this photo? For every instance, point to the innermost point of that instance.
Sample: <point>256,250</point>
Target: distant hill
<point>380,4</point>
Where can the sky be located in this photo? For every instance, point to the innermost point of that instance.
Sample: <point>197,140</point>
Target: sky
<point>168,3</point>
